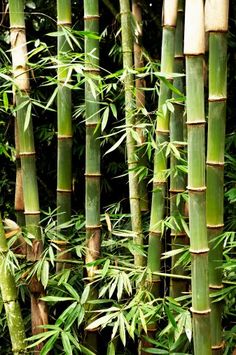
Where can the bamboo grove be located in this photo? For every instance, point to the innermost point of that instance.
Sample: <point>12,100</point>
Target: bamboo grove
<point>117,225</point>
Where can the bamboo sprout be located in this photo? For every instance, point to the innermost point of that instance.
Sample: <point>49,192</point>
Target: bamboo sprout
<point>177,178</point>
<point>27,154</point>
<point>217,25</point>
<point>9,296</point>
<point>194,51</point>
<point>64,122</point>
<point>162,137</point>
<point>134,198</point>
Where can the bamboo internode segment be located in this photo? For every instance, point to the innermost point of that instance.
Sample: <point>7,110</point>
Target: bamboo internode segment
<point>170,13</point>
<point>194,34</point>
<point>216,15</point>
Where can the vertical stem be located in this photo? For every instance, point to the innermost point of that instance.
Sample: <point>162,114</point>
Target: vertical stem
<point>194,51</point>
<point>64,121</point>
<point>140,99</point>
<point>127,49</point>
<point>162,137</point>
<point>27,155</point>
<point>217,26</point>
<point>177,178</point>
<point>93,154</point>
<point>9,297</point>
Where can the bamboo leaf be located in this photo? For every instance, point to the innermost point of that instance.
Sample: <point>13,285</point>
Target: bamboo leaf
<point>105,117</point>
<point>66,343</point>
<point>5,100</point>
<point>100,322</point>
<point>28,116</point>
<point>45,273</point>
<point>85,294</point>
<point>116,145</point>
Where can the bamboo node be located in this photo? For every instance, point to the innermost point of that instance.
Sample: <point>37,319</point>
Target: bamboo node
<point>92,175</point>
<point>215,163</point>
<point>33,213</point>
<point>98,226</point>
<point>215,226</point>
<point>218,347</point>
<point>216,287</point>
<point>162,131</point>
<point>195,123</point>
<point>64,23</point>
<point>64,136</point>
<point>64,190</point>
<point>213,98</point>
<point>25,154</point>
<point>178,234</point>
<point>20,28</point>
<point>199,251</point>
<point>176,191</point>
<point>157,234</point>
<point>194,311</point>
<point>196,189</point>
<point>91,17</point>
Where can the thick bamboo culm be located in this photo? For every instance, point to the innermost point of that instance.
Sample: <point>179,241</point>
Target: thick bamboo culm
<point>162,137</point>
<point>9,297</point>
<point>134,197</point>
<point>64,123</point>
<point>194,52</point>
<point>177,178</point>
<point>216,22</point>
<point>140,100</point>
<point>93,154</point>
<point>27,156</point>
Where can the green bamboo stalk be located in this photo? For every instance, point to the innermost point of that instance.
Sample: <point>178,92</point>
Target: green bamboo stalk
<point>93,151</point>
<point>217,27</point>
<point>177,178</point>
<point>162,137</point>
<point>93,154</point>
<point>64,123</point>
<point>134,198</point>
<point>9,296</point>
<point>194,51</point>
<point>27,154</point>
<point>140,99</point>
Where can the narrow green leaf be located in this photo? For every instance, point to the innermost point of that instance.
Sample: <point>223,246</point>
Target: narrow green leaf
<point>28,116</point>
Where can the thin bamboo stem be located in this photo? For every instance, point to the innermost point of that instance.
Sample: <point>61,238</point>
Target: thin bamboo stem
<point>134,198</point>
<point>162,137</point>
<point>177,178</point>
<point>9,296</point>
<point>64,121</point>
<point>140,99</point>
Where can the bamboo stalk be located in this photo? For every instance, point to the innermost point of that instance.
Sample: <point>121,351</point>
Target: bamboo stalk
<point>134,198</point>
<point>93,151</point>
<point>64,122</point>
<point>194,51</point>
<point>27,155</point>
<point>140,99</point>
<point>9,296</point>
<point>162,137</point>
<point>177,178</point>
<point>93,154</point>
<point>217,27</point>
